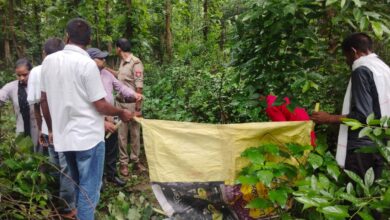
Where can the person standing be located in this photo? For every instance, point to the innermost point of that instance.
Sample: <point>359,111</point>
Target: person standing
<point>368,92</point>
<point>16,91</point>
<point>111,84</point>
<point>130,73</point>
<point>66,187</point>
<point>73,105</point>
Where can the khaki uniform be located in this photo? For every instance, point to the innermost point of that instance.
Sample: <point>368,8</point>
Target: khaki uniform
<point>131,73</point>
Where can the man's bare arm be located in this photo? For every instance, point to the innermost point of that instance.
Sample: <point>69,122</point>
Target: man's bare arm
<point>38,116</point>
<point>105,108</point>
<point>46,111</point>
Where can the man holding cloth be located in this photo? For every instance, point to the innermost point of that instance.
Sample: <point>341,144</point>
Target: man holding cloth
<point>73,105</point>
<point>368,92</point>
<point>111,84</point>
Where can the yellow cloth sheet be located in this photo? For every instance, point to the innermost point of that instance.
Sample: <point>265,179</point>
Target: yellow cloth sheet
<point>195,152</point>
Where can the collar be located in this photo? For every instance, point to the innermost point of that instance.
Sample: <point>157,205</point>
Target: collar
<point>129,58</point>
<point>76,49</point>
<point>362,60</point>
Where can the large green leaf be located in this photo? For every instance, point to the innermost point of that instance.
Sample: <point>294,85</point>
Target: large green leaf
<point>348,197</point>
<point>386,197</point>
<point>297,149</point>
<point>265,176</point>
<point>307,202</point>
<point>358,180</point>
<point>365,131</point>
<point>255,155</point>
<point>369,177</point>
<point>329,2</point>
<point>315,160</point>
<point>336,211</point>
<point>333,171</point>
<point>365,215</point>
<point>259,203</point>
<point>377,131</point>
<point>250,180</point>
<point>377,27</point>
<point>278,196</point>
<point>353,123</point>
<point>358,3</point>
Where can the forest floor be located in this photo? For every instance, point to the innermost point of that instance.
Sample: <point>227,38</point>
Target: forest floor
<point>136,200</point>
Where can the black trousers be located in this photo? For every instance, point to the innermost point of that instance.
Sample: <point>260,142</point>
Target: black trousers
<point>111,156</point>
<point>361,162</point>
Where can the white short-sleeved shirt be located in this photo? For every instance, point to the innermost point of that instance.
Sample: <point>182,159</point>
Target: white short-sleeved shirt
<point>72,83</point>
<point>34,92</point>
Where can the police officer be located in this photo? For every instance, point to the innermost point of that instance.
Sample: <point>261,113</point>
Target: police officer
<point>130,73</point>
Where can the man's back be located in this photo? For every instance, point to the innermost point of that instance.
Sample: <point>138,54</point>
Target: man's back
<point>72,83</point>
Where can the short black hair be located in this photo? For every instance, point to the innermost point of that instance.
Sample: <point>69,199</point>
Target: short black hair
<point>23,62</point>
<point>53,45</point>
<point>359,41</point>
<point>79,31</point>
<point>124,44</point>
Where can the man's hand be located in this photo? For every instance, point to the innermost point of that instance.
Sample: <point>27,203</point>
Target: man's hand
<point>126,115</point>
<point>325,118</point>
<point>41,140</point>
<point>109,127</point>
<point>137,114</point>
<point>138,97</point>
<point>51,138</point>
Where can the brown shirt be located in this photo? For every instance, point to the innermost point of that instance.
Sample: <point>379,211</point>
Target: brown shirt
<point>131,72</point>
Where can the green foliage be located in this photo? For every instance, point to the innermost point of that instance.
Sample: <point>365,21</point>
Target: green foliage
<point>277,168</point>
<point>290,47</point>
<point>129,208</point>
<point>320,189</point>
<point>135,201</point>
<point>24,189</point>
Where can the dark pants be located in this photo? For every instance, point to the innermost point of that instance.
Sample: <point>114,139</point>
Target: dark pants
<point>359,163</point>
<point>111,155</point>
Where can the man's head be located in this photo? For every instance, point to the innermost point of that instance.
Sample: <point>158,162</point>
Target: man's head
<point>355,46</point>
<point>53,45</point>
<point>22,70</point>
<point>78,32</point>
<point>98,56</point>
<point>122,45</point>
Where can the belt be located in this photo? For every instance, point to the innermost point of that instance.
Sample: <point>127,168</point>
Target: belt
<point>123,100</point>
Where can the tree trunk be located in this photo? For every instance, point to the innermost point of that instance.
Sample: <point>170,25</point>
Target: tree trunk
<point>129,25</point>
<point>222,38</point>
<point>5,30</point>
<point>11,29</point>
<point>205,19</point>
<point>168,33</point>
<point>96,18</point>
<point>39,41</point>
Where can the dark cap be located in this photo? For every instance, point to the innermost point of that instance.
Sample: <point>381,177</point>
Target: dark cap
<point>96,53</point>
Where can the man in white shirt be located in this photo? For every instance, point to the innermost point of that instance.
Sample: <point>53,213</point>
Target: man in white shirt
<point>73,105</point>
<point>66,187</point>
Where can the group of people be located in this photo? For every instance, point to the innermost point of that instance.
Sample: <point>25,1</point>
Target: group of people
<point>67,106</point>
<point>73,91</point>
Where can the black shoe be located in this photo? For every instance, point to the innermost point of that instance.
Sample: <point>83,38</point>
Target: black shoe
<point>116,180</point>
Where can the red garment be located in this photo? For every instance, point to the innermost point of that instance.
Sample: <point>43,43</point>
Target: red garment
<point>281,113</point>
